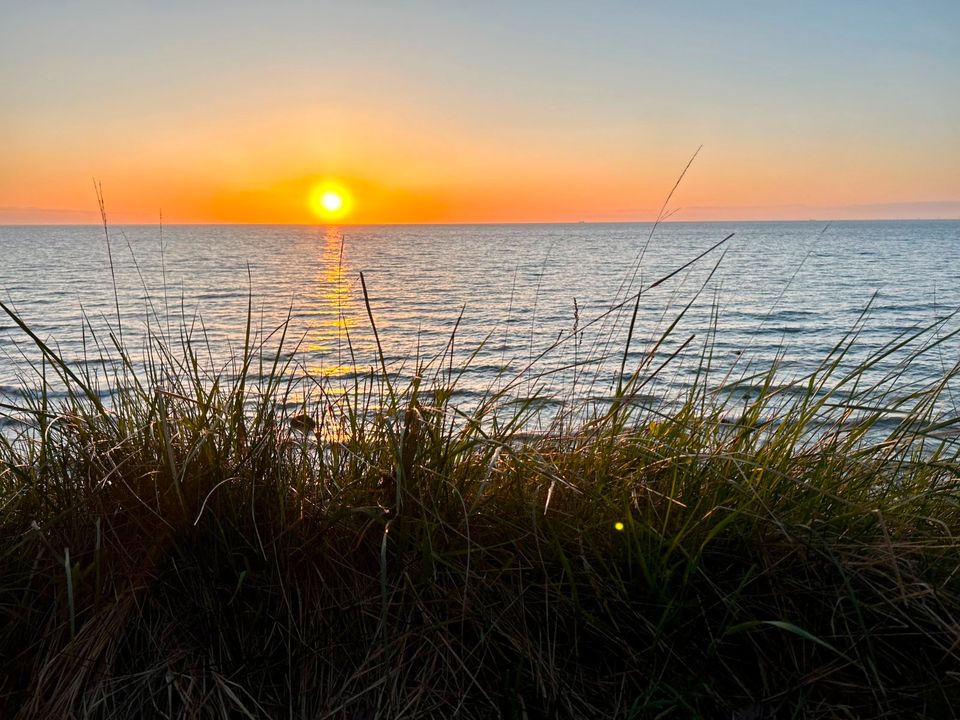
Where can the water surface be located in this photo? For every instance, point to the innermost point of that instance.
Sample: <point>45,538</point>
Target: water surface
<point>789,290</point>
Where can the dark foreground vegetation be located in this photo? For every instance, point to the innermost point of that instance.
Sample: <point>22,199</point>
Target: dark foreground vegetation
<point>179,541</point>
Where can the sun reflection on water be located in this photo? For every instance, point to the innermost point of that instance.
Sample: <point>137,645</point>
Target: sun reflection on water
<point>330,301</point>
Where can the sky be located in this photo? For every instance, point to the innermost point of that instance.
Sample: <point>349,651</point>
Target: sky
<point>227,112</point>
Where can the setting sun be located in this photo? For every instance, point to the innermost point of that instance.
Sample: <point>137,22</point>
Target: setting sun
<point>330,201</point>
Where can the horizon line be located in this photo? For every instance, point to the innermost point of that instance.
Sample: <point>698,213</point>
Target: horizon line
<point>665,221</point>
<point>916,210</point>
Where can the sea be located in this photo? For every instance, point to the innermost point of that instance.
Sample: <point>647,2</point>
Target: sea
<point>555,312</point>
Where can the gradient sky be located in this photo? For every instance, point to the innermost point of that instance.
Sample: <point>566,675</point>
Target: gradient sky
<point>479,112</point>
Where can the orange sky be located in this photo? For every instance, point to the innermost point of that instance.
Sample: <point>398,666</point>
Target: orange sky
<point>550,117</point>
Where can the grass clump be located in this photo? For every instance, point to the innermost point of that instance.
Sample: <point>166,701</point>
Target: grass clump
<point>186,541</point>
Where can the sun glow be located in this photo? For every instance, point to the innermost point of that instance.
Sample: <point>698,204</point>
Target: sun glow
<point>331,201</point>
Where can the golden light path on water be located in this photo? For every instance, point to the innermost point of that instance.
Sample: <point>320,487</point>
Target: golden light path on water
<point>331,298</point>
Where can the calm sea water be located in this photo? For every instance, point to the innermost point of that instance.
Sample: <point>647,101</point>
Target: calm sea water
<point>509,291</point>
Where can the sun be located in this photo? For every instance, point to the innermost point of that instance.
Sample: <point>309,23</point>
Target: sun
<point>331,201</point>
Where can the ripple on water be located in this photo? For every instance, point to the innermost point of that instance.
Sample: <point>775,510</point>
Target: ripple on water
<point>783,288</point>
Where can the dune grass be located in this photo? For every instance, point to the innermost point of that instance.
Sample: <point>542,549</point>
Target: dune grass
<point>186,541</point>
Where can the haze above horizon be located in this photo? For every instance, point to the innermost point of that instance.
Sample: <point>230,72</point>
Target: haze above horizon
<point>427,112</point>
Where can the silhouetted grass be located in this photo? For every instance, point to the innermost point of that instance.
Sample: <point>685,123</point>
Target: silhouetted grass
<point>186,541</point>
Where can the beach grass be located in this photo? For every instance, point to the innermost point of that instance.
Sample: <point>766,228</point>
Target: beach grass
<point>186,540</point>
